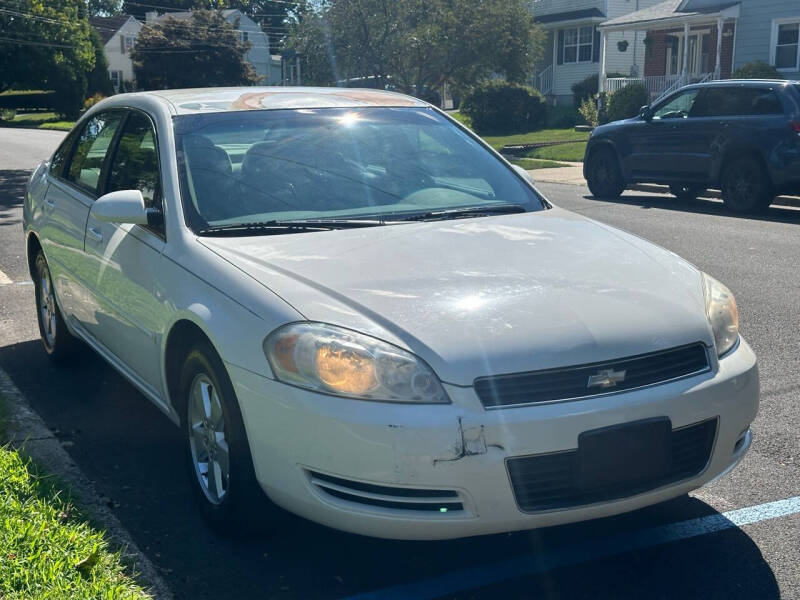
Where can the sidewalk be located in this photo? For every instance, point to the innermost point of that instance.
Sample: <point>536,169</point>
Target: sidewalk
<point>573,175</point>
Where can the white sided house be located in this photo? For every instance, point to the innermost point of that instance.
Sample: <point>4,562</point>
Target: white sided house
<point>574,50</point>
<point>249,31</point>
<point>118,34</point>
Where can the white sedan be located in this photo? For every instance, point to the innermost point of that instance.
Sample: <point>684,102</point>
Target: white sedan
<point>359,312</point>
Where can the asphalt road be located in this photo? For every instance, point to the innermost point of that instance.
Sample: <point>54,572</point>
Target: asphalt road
<point>133,453</point>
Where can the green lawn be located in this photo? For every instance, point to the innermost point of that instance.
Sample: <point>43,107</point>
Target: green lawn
<point>531,164</point>
<point>532,137</point>
<point>566,152</point>
<point>47,549</point>
<point>39,120</point>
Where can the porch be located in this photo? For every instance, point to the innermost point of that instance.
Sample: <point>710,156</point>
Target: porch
<point>682,46</point>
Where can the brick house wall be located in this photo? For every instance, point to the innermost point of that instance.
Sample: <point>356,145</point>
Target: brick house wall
<point>655,60</point>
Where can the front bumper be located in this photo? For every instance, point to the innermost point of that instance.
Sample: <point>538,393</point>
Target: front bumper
<point>463,447</point>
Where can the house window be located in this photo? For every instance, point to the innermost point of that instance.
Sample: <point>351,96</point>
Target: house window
<point>578,43</point>
<point>126,43</point>
<point>116,79</point>
<point>786,46</point>
<point>244,36</point>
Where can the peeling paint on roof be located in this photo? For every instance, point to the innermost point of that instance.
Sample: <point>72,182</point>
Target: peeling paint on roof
<point>274,98</point>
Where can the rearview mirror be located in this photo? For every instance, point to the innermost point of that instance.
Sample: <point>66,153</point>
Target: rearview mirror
<point>124,206</point>
<point>645,113</point>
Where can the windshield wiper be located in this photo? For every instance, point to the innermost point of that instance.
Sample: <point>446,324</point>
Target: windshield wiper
<point>466,212</point>
<point>299,225</point>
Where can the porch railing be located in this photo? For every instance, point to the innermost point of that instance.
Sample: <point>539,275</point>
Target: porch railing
<point>544,81</point>
<point>658,86</point>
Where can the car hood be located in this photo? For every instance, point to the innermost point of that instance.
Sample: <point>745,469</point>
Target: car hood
<point>488,295</point>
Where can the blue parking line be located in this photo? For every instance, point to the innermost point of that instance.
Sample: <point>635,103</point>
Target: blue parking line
<point>532,564</point>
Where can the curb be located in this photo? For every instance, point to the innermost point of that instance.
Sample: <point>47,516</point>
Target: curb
<point>27,431</point>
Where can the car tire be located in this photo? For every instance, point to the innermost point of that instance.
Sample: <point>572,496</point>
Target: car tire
<point>746,186</point>
<point>686,192</point>
<point>218,458</point>
<point>603,175</point>
<point>59,343</point>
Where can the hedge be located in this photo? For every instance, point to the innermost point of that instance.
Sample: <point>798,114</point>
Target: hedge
<point>627,102</point>
<point>26,101</point>
<point>503,107</point>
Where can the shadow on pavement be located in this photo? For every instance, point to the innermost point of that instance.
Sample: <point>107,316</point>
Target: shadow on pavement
<point>12,193</point>
<point>776,214</point>
<point>133,454</point>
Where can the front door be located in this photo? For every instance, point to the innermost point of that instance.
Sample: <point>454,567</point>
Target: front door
<point>123,259</point>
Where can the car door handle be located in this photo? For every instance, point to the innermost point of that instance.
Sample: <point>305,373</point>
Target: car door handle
<point>95,234</point>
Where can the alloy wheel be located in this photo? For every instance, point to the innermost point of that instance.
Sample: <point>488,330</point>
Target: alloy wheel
<point>207,441</point>
<point>47,307</point>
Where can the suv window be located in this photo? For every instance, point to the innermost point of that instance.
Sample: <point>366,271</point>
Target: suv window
<point>736,102</point>
<point>90,151</point>
<point>135,162</point>
<point>678,107</point>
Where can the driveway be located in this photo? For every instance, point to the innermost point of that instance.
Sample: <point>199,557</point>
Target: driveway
<point>133,453</point>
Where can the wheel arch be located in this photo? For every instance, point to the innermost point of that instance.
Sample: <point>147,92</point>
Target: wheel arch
<point>183,334</point>
<point>737,152</point>
<point>603,145</point>
<point>32,248</point>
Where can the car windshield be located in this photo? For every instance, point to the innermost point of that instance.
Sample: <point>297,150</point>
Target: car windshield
<point>367,164</point>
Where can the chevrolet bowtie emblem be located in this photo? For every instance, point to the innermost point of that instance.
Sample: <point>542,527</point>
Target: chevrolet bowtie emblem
<point>607,378</point>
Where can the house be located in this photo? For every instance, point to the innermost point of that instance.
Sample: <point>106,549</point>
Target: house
<point>118,34</point>
<point>249,31</point>
<point>573,50</point>
<point>700,40</point>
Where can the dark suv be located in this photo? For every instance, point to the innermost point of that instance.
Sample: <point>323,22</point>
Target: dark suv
<point>741,137</point>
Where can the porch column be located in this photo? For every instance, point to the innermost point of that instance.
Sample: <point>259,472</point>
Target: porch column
<point>602,78</point>
<point>718,68</point>
<point>685,49</point>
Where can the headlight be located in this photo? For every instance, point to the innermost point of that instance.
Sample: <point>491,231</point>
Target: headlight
<point>338,361</point>
<point>722,314</point>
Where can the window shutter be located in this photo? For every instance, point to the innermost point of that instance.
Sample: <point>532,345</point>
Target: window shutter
<point>122,43</point>
<point>596,48</point>
<point>560,59</point>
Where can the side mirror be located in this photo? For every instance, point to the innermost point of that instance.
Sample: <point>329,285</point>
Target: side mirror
<point>645,113</point>
<point>525,175</point>
<point>124,206</point>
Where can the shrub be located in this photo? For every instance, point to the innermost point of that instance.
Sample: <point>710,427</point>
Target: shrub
<point>7,114</point>
<point>757,70</point>
<point>562,117</point>
<point>588,88</point>
<point>92,100</point>
<point>501,107</point>
<point>28,100</point>
<point>588,111</point>
<point>627,102</point>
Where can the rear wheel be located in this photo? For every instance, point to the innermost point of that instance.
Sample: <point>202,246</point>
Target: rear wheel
<point>217,452</point>
<point>603,175</point>
<point>58,342</point>
<point>746,186</point>
<point>686,192</point>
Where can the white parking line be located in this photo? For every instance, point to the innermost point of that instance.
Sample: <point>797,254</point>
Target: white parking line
<point>480,576</point>
<point>4,279</point>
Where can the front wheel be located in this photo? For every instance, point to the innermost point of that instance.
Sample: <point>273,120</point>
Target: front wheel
<point>746,186</point>
<point>686,192</point>
<point>603,175</point>
<point>217,452</point>
<point>58,342</point>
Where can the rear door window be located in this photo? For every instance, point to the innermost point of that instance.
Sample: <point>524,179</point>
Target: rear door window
<point>91,149</point>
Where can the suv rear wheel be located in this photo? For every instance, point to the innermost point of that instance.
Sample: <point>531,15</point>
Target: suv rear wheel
<point>746,186</point>
<point>686,191</point>
<point>603,174</point>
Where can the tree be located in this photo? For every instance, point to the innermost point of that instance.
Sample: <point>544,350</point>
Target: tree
<point>103,8</point>
<point>201,51</point>
<point>47,45</point>
<point>98,80</point>
<point>420,44</point>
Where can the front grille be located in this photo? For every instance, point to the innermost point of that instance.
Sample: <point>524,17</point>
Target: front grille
<point>551,481</point>
<point>573,382</point>
<point>386,497</point>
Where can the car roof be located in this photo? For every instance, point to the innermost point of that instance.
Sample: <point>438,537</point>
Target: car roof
<point>204,100</point>
<point>760,83</point>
